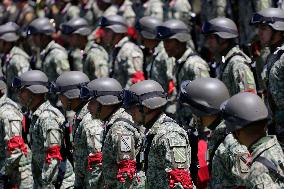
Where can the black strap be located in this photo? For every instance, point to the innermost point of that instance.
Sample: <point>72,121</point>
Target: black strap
<point>49,51</point>
<point>180,66</point>
<point>228,60</point>
<point>270,166</point>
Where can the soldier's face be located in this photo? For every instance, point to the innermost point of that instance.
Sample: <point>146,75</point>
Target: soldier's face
<point>172,47</point>
<point>265,34</point>
<point>36,39</point>
<point>93,107</point>
<point>24,96</point>
<point>212,43</point>
<point>64,101</point>
<point>149,43</point>
<point>108,36</point>
<point>136,114</point>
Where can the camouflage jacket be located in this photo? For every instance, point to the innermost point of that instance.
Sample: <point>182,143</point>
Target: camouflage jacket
<point>75,58</point>
<point>95,61</point>
<point>16,63</point>
<point>122,142</point>
<point>228,165</point>
<point>149,8</point>
<point>54,61</point>
<point>15,161</point>
<point>275,88</point>
<point>126,61</point>
<point>159,66</point>
<point>46,132</point>
<point>259,175</point>
<point>169,149</point>
<point>236,73</point>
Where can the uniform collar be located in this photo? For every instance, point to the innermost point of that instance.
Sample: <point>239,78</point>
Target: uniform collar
<point>122,42</point>
<point>185,56</point>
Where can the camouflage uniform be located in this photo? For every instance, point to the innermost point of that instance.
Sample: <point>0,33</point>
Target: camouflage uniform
<point>275,89</point>
<point>16,63</point>
<point>236,73</point>
<point>260,176</point>
<point>189,67</point>
<point>228,167</point>
<point>169,150</point>
<point>46,133</point>
<point>122,142</point>
<point>54,60</point>
<point>127,61</point>
<point>89,13</point>
<point>125,10</point>
<point>15,161</point>
<point>87,132</point>
<point>211,9</point>
<point>95,61</point>
<point>150,8</point>
<point>76,59</point>
<point>260,65</point>
<point>159,66</point>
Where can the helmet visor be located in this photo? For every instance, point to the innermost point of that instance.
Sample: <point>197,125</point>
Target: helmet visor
<point>164,32</point>
<point>18,83</point>
<point>208,28</point>
<point>86,93</point>
<point>66,29</point>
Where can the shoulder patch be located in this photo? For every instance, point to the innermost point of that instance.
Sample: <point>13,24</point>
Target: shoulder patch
<point>125,143</point>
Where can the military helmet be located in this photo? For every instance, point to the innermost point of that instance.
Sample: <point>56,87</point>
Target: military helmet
<point>114,22</point>
<point>273,17</point>
<point>9,32</point>
<point>147,93</point>
<point>243,109</point>
<point>147,26</point>
<point>76,26</point>
<point>173,29</point>
<point>69,84</point>
<point>35,81</point>
<point>223,27</point>
<point>107,91</point>
<point>204,95</point>
<point>41,26</point>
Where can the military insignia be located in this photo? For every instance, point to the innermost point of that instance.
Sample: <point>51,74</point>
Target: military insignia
<point>179,154</point>
<point>125,143</point>
<point>245,163</point>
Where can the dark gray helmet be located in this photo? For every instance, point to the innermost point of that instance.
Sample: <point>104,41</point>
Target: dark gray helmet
<point>173,29</point>
<point>9,32</point>
<point>69,84</point>
<point>107,91</point>
<point>76,26</point>
<point>243,109</point>
<point>223,27</point>
<point>114,22</point>
<point>41,26</point>
<point>147,26</point>
<point>147,93</point>
<point>35,81</point>
<point>204,95</point>
<point>273,17</point>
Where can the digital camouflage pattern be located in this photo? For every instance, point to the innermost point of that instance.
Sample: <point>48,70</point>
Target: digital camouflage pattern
<point>212,9</point>
<point>54,60</point>
<point>95,61</point>
<point>228,166</point>
<point>152,8</point>
<point>189,67</point>
<point>259,176</point>
<point>122,142</point>
<point>169,150</point>
<point>76,59</point>
<point>236,73</point>
<point>88,141</point>
<point>17,62</point>
<point>159,66</point>
<point>88,12</point>
<point>15,164</point>
<point>275,88</point>
<point>45,132</point>
<point>125,10</point>
<point>127,62</point>
<point>260,65</point>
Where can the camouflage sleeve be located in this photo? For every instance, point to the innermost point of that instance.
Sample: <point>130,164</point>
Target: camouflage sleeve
<point>18,65</point>
<point>94,142</point>
<point>52,144</point>
<point>177,158</point>
<point>119,145</point>
<point>134,66</point>
<point>129,15</point>
<point>60,61</point>
<point>98,62</point>
<point>259,178</point>
<point>276,88</point>
<point>221,8</point>
<point>15,146</point>
<point>243,77</point>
